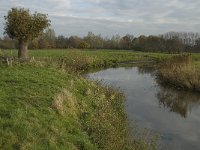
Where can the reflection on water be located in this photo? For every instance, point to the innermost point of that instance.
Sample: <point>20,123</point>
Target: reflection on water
<point>145,69</point>
<point>177,101</point>
<point>175,115</point>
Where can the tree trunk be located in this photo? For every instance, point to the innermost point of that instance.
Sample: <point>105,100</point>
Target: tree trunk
<point>22,52</point>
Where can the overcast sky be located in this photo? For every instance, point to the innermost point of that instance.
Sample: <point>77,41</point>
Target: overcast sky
<point>108,17</point>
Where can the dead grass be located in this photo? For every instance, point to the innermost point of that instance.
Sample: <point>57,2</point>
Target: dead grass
<point>65,103</point>
<point>180,72</point>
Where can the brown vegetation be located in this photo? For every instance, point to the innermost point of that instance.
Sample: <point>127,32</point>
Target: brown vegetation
<point>180,72</point>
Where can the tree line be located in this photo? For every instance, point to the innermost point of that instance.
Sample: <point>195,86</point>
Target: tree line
<point>170,42</point>
<point>24,30</point>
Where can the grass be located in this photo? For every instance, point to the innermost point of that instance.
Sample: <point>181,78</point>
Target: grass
<point>82,61</point>
<point>102,54</point>
<point>42,108</point>
<point>46,104</point>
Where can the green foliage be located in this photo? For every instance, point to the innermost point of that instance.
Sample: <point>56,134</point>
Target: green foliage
<point>23,26</point>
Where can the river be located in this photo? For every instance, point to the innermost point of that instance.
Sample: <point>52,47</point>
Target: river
<point>173,114</point>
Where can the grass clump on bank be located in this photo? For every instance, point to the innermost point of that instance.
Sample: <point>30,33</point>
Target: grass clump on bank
<point>180,72</point>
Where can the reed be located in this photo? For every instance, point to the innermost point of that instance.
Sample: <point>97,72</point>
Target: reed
<point>180,72</point>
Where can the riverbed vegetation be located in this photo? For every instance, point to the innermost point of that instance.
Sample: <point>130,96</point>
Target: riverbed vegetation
<point>180,72</point>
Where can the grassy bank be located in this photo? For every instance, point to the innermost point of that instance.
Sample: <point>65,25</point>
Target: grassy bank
<point>43,108</point>
<point>45,104</point>
<point>78,61</point>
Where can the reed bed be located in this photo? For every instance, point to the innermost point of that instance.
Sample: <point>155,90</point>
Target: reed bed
<point>179,71</point>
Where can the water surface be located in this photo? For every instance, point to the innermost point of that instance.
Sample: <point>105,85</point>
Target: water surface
<point>174,114</point>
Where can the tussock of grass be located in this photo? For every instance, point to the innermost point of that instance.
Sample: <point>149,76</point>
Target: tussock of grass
<point>180,72</point>
<point>65,103</point>
<point>106,122</point>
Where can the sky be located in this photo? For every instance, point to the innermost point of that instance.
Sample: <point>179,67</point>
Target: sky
<point>111,17</point>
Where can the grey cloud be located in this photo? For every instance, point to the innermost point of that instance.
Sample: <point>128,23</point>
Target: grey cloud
<point>80,26</point>
<point>114,16</point>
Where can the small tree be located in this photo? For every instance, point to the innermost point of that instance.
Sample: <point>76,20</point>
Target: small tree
<point>24,27</point>
<point>83,45</point>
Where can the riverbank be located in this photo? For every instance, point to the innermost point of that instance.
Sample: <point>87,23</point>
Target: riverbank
<point>78,61</point>
<point>46,104</point>
<point>179,72</point>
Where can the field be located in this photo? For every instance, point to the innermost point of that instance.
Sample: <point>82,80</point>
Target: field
<point>46,104</point>
<point>80,61</point>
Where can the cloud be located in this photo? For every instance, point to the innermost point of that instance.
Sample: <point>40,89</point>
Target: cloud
<point>113,16</point>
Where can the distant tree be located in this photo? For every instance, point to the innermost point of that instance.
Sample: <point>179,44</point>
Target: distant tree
<point>46,40</point>
<point>43,41</point>
<point>61,42</point>
<point>115,42</point>
<point>197,42</point>
<point>50,37</point>
<point>74,41</point>
<point>24,27</point>
<point>8,43</point>
<point>90,39</point>
<point>33,44</point>
<point>95,41</point>
<point>84,45</point>
<point>126,41</point>
<point>140,43</point>
<point>174,45</point>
